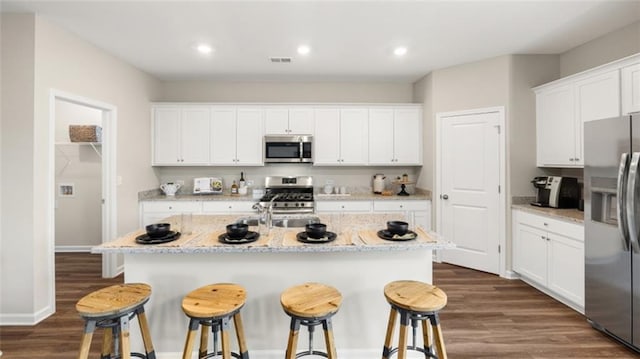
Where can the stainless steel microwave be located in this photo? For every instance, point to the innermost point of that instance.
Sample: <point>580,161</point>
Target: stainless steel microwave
<point>288,149</point>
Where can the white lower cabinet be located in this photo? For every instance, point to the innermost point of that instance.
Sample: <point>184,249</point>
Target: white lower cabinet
<point>343,206</point>
<point>155,211</point>
<point>227,207</point>
<point>419,211</point>
<point>549,254</point>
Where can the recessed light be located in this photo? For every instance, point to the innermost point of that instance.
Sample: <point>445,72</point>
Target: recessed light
<point>304,49</point>
<point>400,51</point>
<point>204,49</point>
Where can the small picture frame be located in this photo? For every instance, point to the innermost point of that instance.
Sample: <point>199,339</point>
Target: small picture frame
<point>66,190</point>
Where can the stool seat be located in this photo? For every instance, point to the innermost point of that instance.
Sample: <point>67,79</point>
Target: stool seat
<point>112,308</point>
<point>311,300</point>
<point>212,308</point>
<point>113,300</point>
<point>415,296</point>
<point>214,300</point>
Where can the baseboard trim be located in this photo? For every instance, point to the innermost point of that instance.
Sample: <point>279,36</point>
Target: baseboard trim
<point>511,275</point>
<point>73,249</point>
<point>279,354</point>
<point>26,319</point>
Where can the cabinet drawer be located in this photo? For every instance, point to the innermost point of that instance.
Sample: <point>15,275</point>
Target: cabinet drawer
<point>343,206</point>
<point>227,206</point>
<point>391,205</point>
<point>161,206</point>
<point>553,225</point>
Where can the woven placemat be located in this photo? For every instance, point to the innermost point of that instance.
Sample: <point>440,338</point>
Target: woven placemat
<point>211,240</point>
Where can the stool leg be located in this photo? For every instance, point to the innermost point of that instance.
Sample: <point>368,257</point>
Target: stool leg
<point>204,340</point>
<point>146,334</point>
<point>293,339</point>
<point>393,314</point>
<point>124,337</point>
<point>226,346</point>
<point>402,341</point>
<point>188,344</point>
<point>89,327</point>
<point>437,334</point>
<point>426,335</point>
<point>107,344</point>
<point>328,339</point>
<point>237,322</point>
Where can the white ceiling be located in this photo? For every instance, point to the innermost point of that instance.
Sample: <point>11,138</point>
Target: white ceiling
<point>349,40</point>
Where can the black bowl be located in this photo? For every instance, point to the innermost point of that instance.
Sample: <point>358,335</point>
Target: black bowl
<point>237,230</point>
<point>316,230</point>
<point>397,227</point>
<point>157,230</point>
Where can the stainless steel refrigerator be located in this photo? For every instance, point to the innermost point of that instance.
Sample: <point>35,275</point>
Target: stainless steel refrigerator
<point>612,222</point>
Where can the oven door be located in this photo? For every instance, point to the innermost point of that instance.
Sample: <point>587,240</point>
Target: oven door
<point>287,149</point>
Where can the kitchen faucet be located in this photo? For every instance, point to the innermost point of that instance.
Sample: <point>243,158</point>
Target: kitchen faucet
<point>266,212</point>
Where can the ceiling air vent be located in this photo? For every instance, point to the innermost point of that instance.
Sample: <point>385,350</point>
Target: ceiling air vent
<point>280,59</point>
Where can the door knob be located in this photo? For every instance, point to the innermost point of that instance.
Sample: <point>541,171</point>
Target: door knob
<point>444,196</point>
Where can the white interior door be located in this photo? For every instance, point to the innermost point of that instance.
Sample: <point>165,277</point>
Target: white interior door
<point>469,189</point>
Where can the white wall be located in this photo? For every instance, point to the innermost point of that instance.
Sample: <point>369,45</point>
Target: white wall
<point>423,93</point>
<point>17,223</point>
<point>609,47</point>
<point>527,71</point>
<point>215,91</point>
<point>57,59</point>
<point>78,221</point>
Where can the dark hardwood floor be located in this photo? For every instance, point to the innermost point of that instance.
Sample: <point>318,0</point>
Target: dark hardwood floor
<point>486,317</point>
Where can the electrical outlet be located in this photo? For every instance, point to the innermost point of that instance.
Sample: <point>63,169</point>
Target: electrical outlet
<point>329,181</point>
<point>180,182</point>
<point>250,183</point>
<point>119,180</point>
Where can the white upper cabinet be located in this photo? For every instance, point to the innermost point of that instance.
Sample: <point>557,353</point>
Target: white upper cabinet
<point>341,137</point>
<point>181,135</point>
<point>556,126</point>
<point>236,136</point>
<point>287,121</point>
<point>354,123</point>
<point>631,89</point>
<point>395,136</point>
<point>563,106</point>
<point>326,141</point>
<point>249,137</point>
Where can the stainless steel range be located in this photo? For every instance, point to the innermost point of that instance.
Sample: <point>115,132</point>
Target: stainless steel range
<point>289,194</point>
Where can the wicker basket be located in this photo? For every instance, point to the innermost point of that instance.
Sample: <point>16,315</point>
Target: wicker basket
<point>85,133</point>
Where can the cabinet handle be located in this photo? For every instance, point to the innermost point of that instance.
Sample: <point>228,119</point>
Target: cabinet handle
<point>542,237</point>
<point>577,159</point>
<point>545,223</point>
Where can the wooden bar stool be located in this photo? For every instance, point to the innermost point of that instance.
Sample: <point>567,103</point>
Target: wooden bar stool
<point>415,301</point>
<point>112,308</point>
<point>311,304</point>
<point>214,306</point>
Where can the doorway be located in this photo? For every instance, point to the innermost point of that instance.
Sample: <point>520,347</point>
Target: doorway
<point>80,158</point>
<point>470,184</point>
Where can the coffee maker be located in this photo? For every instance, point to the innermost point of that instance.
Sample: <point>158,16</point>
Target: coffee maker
<point>556,192</point>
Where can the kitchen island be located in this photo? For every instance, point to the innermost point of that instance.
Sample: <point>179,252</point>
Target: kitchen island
<point>357,263</point>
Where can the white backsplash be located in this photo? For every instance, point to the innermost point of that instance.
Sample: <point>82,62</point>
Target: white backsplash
<point>356,179</point>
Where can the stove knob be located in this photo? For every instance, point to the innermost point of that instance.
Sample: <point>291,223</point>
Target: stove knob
<point>275,205</point>
<point>297,204</point>
<point>286,204</point>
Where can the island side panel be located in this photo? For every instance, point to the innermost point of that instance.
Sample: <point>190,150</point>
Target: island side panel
<point>359,276</point>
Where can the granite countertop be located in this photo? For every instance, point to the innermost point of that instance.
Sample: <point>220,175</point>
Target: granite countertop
<point>157,195</point>
<point>566,214</point>
<point>356,233</point>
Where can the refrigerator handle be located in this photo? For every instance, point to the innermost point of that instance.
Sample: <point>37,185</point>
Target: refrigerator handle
<point>632,185</point>
<point>620,196</point>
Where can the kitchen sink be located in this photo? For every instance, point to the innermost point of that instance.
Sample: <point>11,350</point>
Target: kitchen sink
<point>294,222</point>
<point>285,222</point>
